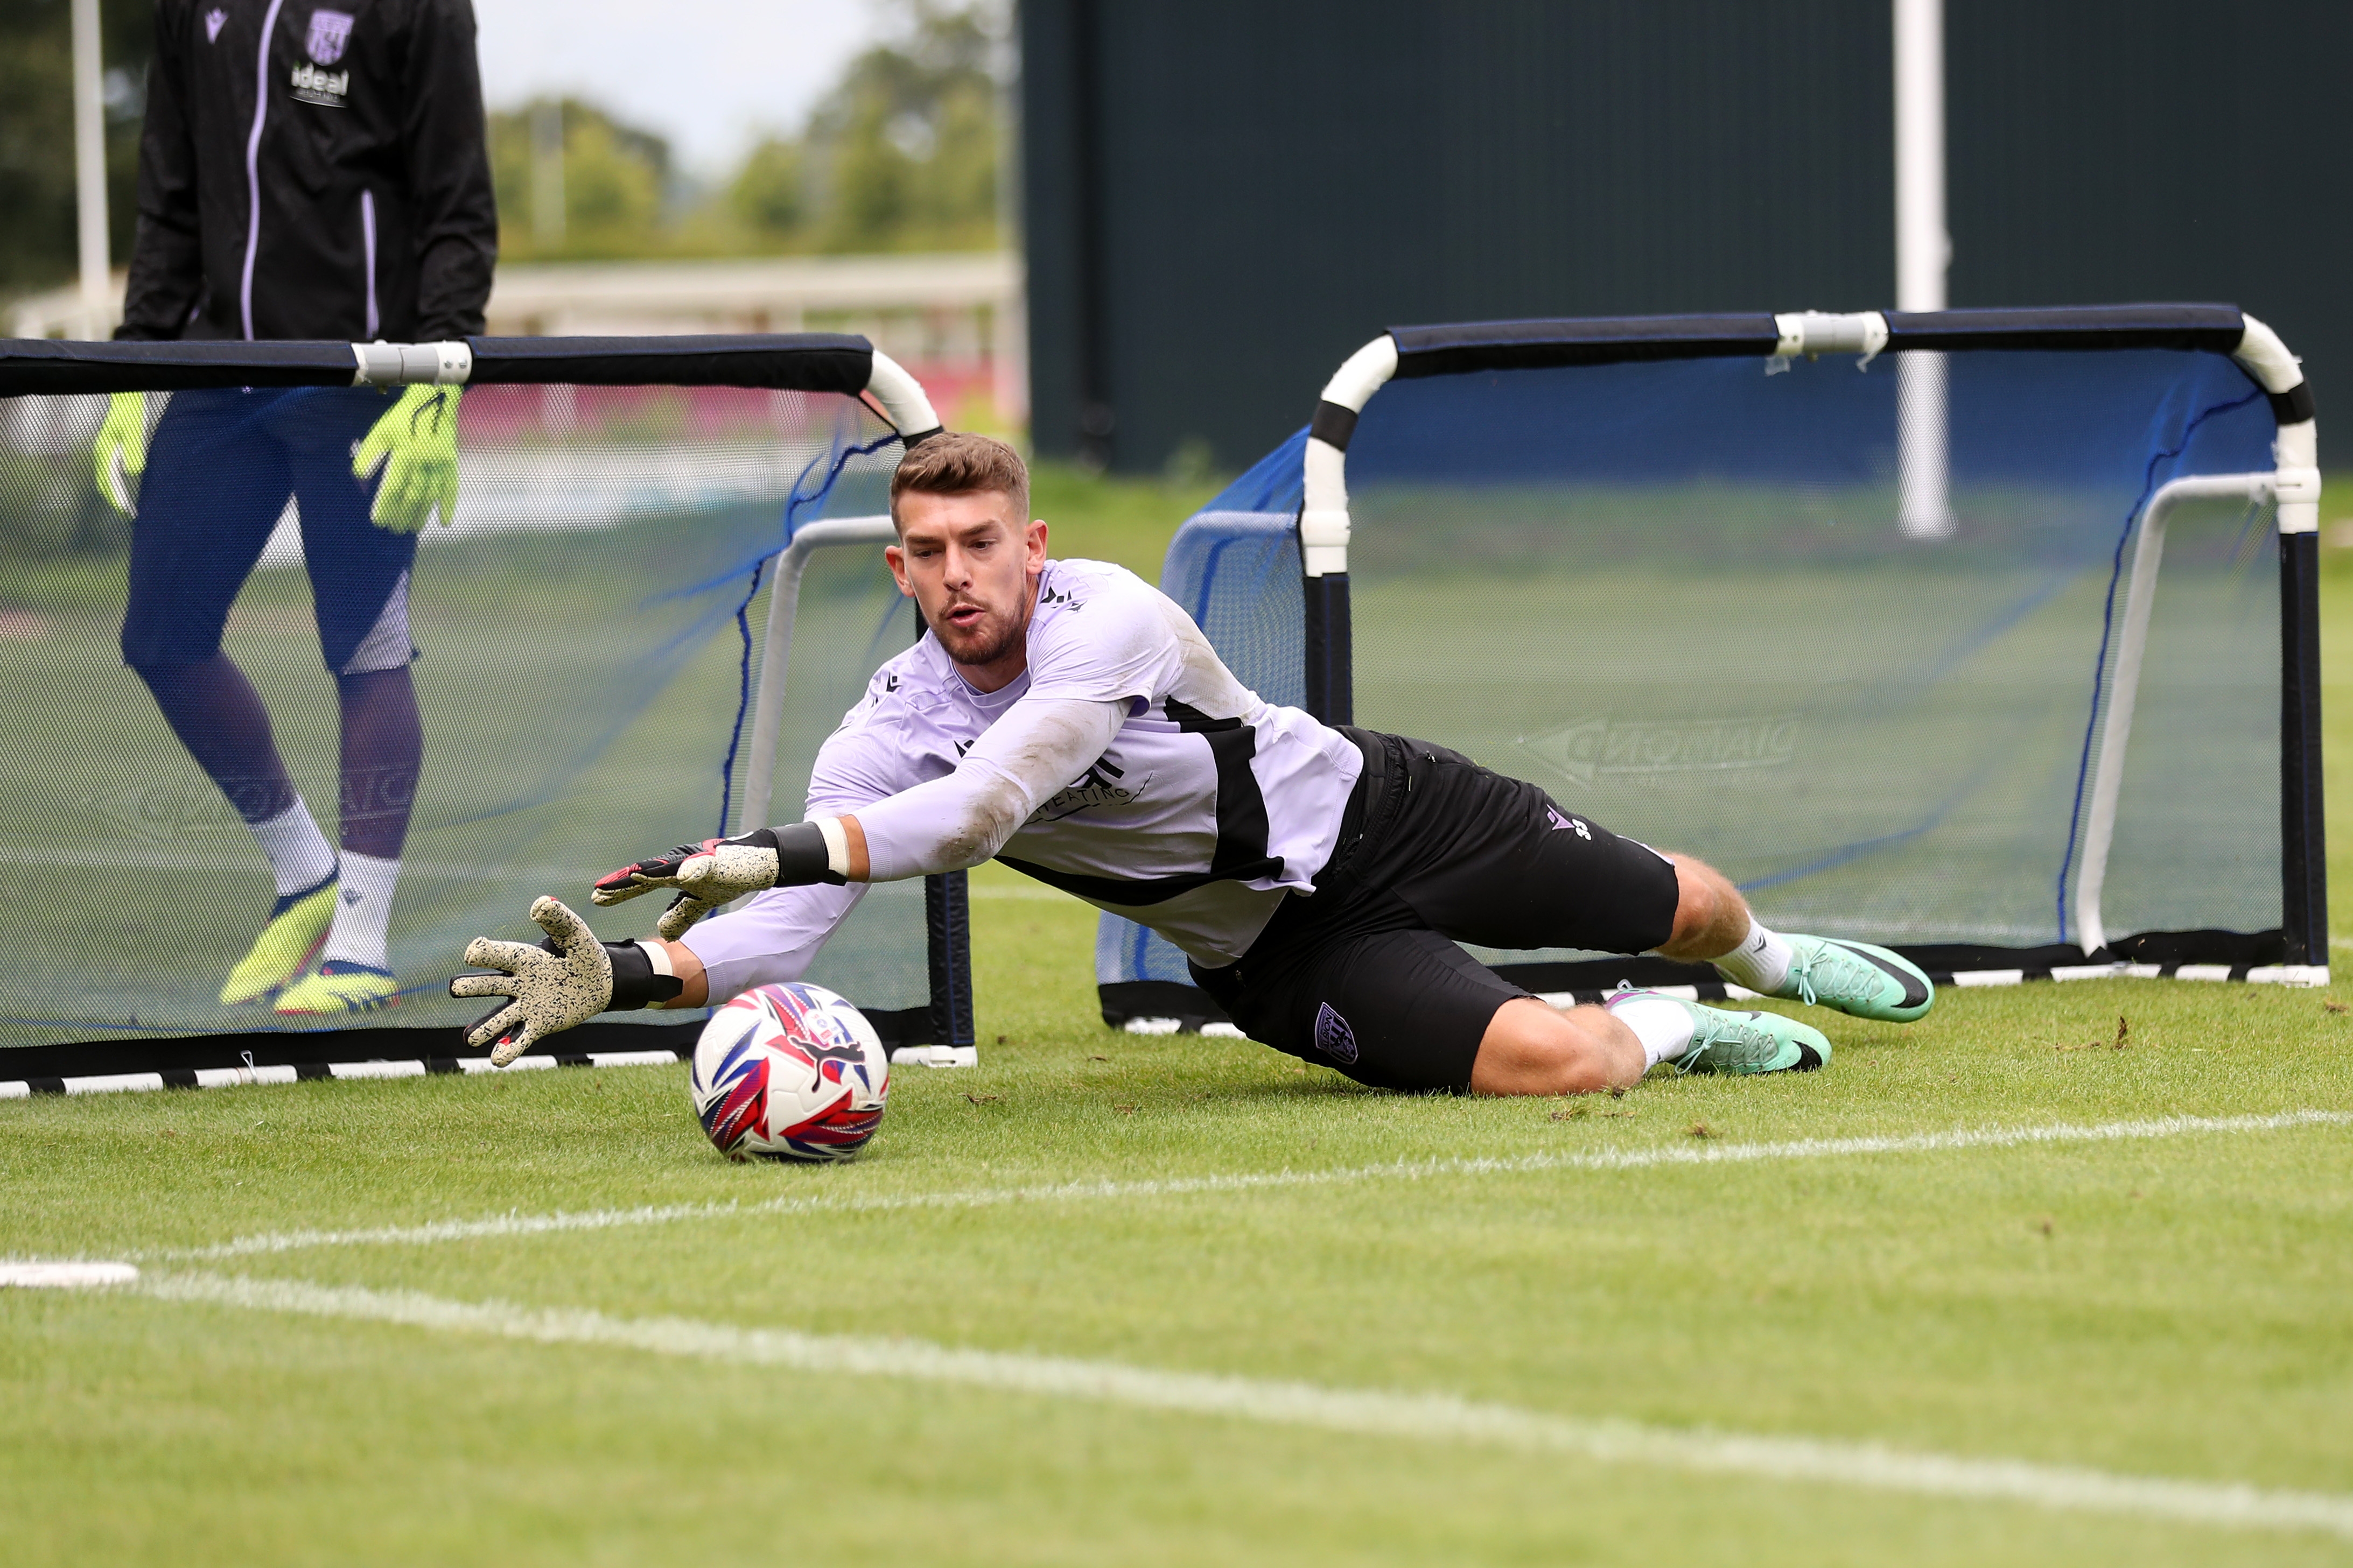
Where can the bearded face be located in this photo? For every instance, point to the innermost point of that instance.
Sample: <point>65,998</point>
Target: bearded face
<point>972,567</point>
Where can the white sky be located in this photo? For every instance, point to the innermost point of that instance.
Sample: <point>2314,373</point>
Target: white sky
<point>710,75</point>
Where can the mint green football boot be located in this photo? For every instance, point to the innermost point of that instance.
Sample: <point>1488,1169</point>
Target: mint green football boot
<point>1857,979</point>
<point>1726,1041</point>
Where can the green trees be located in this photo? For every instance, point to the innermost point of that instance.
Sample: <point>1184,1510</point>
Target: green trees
<point>901,156</point>
<point>574,183</point>
<point>904,152</point>
<point>769,197</point>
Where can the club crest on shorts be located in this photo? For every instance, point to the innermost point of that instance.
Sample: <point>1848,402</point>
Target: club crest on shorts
<point>330,31</point>
<point>1332,1035</point>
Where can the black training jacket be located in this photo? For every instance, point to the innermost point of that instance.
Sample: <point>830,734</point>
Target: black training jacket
<point>313,170</point>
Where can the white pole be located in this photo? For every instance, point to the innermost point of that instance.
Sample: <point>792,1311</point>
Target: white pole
<point>1924,250</point>
<point>89,169</point>
<point>1009,331</point>
<point>1008,319</point>
<point>547,171</point>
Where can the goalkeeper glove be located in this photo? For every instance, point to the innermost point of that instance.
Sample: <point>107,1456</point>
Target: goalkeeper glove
<point>721,870</point>
<point>121,455</point>
<point>416,446</point>
<point>567,979</point>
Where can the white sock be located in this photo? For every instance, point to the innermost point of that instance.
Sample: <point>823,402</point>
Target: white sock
<point>362,909</point>
<point>1761,961</point>
<point>1662,1024</point>
<point>299,855</point>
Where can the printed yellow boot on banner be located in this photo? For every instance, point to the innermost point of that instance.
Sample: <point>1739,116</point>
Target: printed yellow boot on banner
<point>341,987</point>
<point>297,929</point>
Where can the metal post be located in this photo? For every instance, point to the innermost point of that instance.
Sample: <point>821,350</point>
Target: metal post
<point>1008,356</point>
<point>1331,694</point>
<point>777,651</point>
<point>1008,319</point>
<point>947,924</point>
<point>2124,690</point>
<point>1924,252</point>
<point>89,169</point>
<point>2303,850</point>
<point>547,213</point>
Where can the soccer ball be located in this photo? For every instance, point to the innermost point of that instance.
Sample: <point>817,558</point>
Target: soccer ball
<point>789,1072</point>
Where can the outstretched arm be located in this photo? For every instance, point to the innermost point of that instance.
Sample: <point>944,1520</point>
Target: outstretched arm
<point>946,824</point>
<point>806,877</point>
<point>571,976</point>
<point>951,823</point>
<point>772,939</point>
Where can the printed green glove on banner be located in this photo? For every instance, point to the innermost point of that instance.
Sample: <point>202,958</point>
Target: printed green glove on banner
<point>121,456</point>
<point>415,445</point>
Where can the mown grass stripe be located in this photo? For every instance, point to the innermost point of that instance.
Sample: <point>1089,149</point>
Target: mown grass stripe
<point>1101,1190</point>
<point>1426,1418</point>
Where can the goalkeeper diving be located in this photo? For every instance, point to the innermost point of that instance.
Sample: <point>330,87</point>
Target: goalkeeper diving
<point>1067,718</point>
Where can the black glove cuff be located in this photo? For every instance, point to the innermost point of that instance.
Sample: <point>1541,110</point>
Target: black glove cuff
<point>801,855</point>
<point>635,983</point>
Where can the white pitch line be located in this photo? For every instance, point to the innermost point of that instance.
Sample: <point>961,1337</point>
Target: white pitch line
<point>75,1275</point>
<point>514,1225</point>
<point>1357,1413</point>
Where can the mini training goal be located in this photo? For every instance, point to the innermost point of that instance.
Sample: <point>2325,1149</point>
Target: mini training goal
<point>1989,635</point>
<point>643,525</point>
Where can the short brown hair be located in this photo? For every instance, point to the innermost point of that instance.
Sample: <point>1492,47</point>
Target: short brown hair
<point>956,463</point>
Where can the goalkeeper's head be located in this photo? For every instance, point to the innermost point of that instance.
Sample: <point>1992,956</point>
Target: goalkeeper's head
<point>968,551</point>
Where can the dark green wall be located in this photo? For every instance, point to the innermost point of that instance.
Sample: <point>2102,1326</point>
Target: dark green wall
<point>1224,198</point>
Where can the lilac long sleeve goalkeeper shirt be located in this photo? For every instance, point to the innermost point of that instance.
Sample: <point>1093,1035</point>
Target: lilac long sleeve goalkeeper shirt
<point>1126,765</point>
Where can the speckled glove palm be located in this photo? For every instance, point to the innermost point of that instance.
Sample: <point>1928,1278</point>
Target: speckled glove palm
<point>415,445</point>
<point>566,981</point>
<point>121,455</point>
<point>721,870</point>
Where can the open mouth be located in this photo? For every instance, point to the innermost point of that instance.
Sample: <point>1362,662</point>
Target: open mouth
<point>965,617</point>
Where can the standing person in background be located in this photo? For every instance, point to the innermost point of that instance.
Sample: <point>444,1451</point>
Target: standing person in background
<point>304,172</point>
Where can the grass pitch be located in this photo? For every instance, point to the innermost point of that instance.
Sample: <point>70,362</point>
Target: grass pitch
<point>2166,1308</point>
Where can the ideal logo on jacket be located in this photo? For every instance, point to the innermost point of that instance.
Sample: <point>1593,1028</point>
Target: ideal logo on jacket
<point>312,85</point>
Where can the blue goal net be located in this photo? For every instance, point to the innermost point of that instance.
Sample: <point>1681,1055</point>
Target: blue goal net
<point>1988,637</point>
<point>246,681</point>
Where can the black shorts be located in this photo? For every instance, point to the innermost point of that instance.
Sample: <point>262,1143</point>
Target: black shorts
<point>1364,976</point>
<point>219,470</point>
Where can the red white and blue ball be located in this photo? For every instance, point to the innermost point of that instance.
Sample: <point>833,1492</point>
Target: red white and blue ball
<point>789,1072</point>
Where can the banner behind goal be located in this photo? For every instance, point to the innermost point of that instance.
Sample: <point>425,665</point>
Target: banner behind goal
<point>590,633</point>
<point>1988,635</point>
